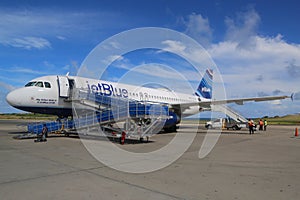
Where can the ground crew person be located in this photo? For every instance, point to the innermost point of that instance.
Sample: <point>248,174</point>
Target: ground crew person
<point>261,124</point>
<point>42,137</point>
<point>44,133</point>
<point>250,125</point>
<point>122,139</point>
<point>265,125</point>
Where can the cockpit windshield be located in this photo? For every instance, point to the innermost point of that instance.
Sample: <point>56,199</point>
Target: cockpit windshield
<point>31,83</point>
<point>38,84</point>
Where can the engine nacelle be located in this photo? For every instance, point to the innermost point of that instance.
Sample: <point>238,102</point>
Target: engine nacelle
<point>170,124</point>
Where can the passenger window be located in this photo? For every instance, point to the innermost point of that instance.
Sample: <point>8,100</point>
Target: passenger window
<point>32,83</point>
<point>47,85</point>
<point>39,84</point>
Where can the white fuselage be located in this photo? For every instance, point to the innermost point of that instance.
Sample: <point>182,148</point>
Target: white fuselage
<point>48,94</point>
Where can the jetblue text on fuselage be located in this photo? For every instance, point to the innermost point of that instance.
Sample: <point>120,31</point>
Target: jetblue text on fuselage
<point>107,90</point>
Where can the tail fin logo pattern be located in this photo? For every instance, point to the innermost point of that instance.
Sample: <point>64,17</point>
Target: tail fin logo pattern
<point>205,87</point>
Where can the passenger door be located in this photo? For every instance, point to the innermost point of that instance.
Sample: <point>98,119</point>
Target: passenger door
<point>63,85</point>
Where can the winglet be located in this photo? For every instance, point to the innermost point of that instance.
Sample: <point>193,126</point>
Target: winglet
<point>295,96</point>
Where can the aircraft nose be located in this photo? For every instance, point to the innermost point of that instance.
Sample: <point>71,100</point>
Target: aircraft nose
<point>13,98</point>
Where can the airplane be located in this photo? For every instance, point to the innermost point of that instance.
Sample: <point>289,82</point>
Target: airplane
<point>53,95</point>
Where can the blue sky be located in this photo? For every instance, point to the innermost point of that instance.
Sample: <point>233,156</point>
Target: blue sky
<point>255,44</point>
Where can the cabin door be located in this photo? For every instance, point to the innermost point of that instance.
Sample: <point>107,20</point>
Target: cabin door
<point>63,85</point>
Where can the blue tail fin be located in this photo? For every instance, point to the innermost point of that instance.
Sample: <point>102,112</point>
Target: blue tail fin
<point>205,87</point>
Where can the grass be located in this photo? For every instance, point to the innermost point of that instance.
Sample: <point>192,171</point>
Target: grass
<point>27,116</point>
<point>284,120</point>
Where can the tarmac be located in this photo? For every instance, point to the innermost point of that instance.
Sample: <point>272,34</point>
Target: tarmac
<point>265,165</point>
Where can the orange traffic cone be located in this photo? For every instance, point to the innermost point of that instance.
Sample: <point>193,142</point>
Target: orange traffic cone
<point>296,132</point>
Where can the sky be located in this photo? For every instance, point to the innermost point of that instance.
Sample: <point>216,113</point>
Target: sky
<point>256,45</point>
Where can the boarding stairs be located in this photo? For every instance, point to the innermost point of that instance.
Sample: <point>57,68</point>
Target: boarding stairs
<point>96,109</point>
<point>229,112</point>
<point>139,119</point>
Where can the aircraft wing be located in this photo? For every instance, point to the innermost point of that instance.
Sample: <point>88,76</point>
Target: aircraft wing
<point>239,101</point>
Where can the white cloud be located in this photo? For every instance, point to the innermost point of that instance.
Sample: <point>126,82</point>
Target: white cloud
<point>254,65</point>
<point>32,28</point>
<point>258,63</point>
<point>22,70</point>
<point>196,54</point>
<point>243,28</point>
<point>4,89</point>
<point>267,50</point>
<point>115,45</point>
<point>119,62</point>
<point>272,61</point>
<point>20,29</point>
<point>29,43</point>
<point>61,37</point>
<point>158,74</point>
<point>6,86</point>
<point>157,70</point>
<point>72,68</point>
<point>198,27</point>
<point>174,46</point>
<point>115,58</point>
